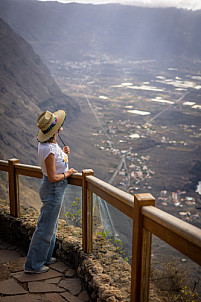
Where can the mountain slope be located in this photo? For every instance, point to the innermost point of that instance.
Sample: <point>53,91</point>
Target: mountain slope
<point>76,31</point>
<point>26,89</point>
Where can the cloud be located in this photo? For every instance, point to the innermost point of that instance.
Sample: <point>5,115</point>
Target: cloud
<point>186,4</point>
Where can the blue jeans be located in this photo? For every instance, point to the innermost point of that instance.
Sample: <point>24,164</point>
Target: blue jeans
<point>43,239</point>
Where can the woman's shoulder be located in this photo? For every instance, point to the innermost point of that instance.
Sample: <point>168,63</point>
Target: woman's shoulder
<point>43,146</point>
<point>47,147</point>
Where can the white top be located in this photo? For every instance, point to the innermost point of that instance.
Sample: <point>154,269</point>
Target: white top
<point>61,159</point>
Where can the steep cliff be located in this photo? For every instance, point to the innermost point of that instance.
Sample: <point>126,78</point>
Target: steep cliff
<point>26,89</point>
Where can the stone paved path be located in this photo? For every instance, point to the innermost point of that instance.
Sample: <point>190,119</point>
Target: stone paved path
<point>59,284</point>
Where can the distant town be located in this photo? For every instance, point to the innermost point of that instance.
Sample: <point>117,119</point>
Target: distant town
<point>150,120</point>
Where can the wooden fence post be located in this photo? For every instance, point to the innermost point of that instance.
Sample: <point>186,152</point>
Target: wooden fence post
<point>141,250</point>
<point>13,188</point>
<point>87,214</point>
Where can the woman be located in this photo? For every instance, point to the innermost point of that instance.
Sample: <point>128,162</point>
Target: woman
<point>54,165</point>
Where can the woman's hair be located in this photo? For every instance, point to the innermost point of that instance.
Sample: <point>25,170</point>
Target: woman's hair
<point>51,139</point>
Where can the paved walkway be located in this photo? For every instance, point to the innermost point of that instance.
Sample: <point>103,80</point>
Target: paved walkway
<point>59,284</point>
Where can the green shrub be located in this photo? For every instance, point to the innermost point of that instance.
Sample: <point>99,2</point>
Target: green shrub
<point>75,216</point>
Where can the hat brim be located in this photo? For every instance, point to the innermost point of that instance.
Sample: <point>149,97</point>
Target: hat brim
<point>61,116</point>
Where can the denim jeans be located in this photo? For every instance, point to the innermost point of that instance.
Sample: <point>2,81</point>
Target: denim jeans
<point>43,239</point>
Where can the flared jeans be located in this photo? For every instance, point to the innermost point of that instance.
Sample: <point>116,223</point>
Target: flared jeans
<point>44,237</point>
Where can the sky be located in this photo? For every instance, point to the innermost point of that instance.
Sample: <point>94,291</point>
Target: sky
<point>186,4</point>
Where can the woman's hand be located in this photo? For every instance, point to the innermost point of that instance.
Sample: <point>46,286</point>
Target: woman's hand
<point>70,172</point>
<point>66,149</point>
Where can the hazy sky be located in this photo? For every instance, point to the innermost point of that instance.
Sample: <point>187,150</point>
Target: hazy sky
<point>188,4</point>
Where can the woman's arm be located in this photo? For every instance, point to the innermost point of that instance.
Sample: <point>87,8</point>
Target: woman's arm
<point>51,170</point>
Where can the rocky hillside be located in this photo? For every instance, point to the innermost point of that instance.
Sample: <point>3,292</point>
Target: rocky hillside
<point>26,89</point>
<point>74,31</point>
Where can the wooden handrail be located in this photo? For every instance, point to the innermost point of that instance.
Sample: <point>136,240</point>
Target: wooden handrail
<point>181,235</point>
<point>116,197</point>
<point>147,220</point>
<point>4,165</point>
<point>28,170</point>
<point>35,171</point>
<point>75,179</point>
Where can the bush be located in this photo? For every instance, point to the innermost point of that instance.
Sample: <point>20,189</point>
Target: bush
<point>75,216</point>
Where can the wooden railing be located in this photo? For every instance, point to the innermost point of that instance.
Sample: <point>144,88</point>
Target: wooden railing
<point>147,220</point>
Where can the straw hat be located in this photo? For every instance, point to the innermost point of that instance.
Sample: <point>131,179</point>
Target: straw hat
<point>49,123</point>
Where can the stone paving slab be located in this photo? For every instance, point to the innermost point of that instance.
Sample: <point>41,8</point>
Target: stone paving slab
<point>84,296</point>
<point>54,297</point>
<point>53,281</point>
<point>8,255</point>
<point>72,285</point>
<point>70,273</point>
<point>23,277</point>
<point>17,265</point>
<point>21,298</point>
<point>59,266</point>
<point>70,298</point>
<point>7,268</point>
<point>42,287</point>
<point>11,287</point>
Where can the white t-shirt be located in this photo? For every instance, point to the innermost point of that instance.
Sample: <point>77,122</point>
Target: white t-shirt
<point>61,159</point>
